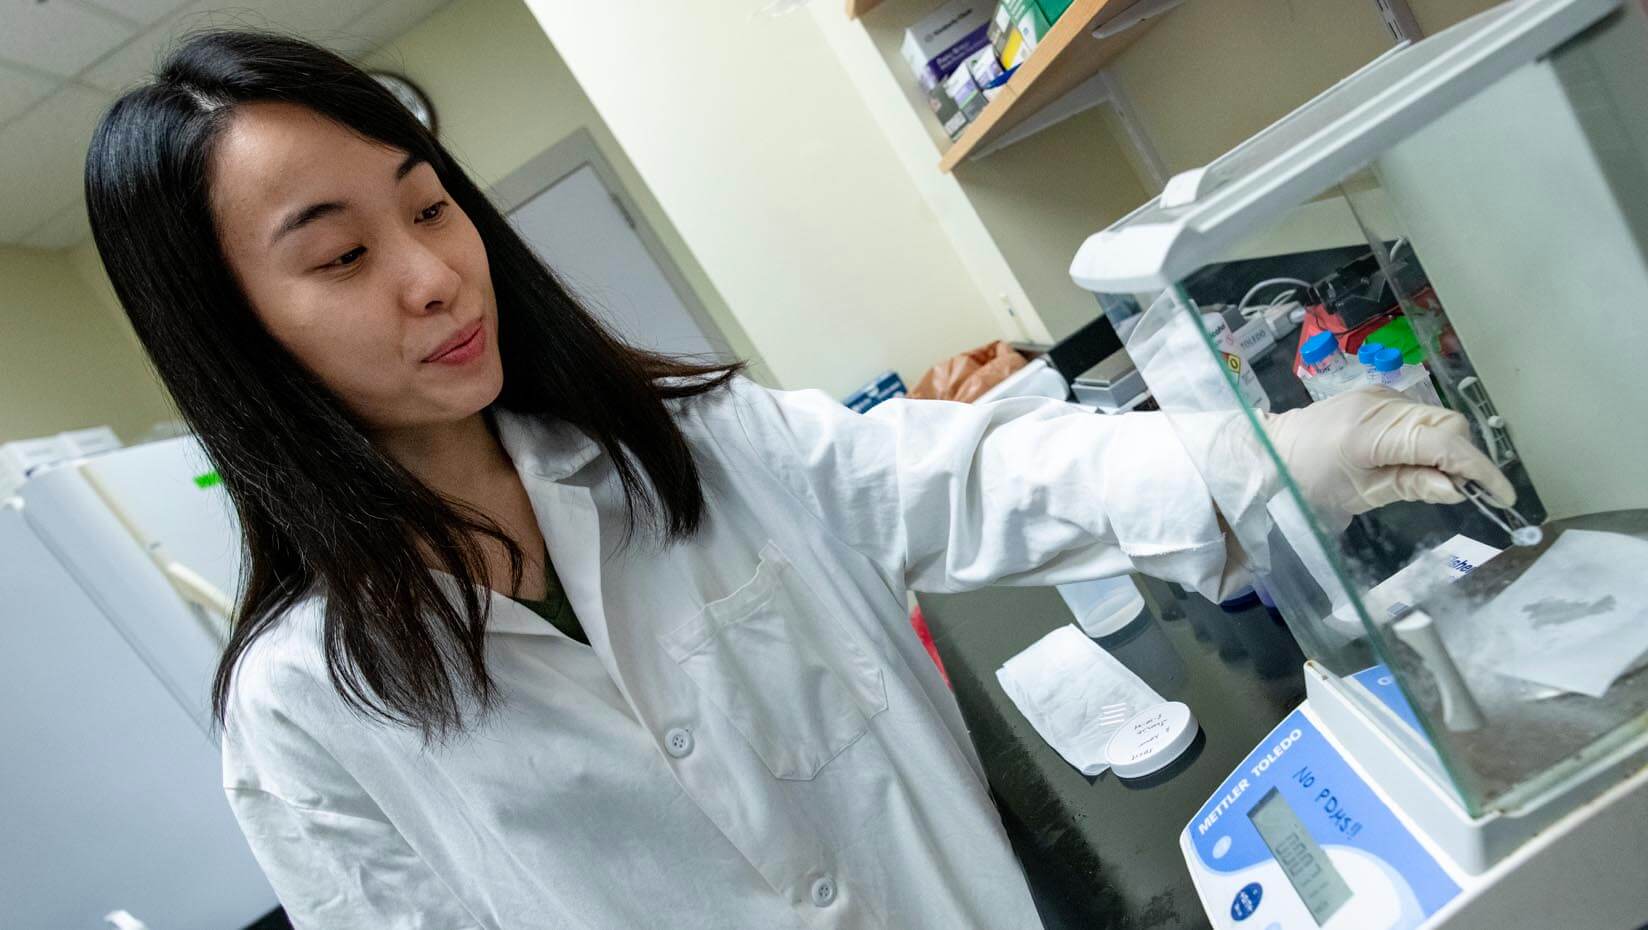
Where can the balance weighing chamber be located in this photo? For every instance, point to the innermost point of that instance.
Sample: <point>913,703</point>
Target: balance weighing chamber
<point>1473,747</point>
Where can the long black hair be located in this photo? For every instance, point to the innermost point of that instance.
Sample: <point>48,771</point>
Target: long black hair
<point>322,509</point>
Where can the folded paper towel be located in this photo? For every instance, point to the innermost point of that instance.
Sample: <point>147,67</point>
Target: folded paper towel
<point>1069,689</point>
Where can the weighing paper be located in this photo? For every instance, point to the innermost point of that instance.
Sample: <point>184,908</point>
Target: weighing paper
<point>1396,595</point>
<point>1577,618</point>
<point>1064,684</point>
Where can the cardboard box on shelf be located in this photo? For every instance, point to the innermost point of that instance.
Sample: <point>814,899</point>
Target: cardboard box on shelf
<point>1018,26</point>
<point>1005,37</point>
<point>1033,25</point>
<point>1053,9</point>
<point>940,41</point>
<point>984,68</point>
<point>965,92</point>
<point>945,111</point>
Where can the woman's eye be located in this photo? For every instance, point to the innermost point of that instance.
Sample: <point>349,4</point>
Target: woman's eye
<point>348,258</point>
<point>432,212</point>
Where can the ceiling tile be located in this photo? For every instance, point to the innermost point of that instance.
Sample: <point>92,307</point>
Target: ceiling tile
<point>58,38</point>
<point>318,20</point>
<point>136,60</point>
<point>19,89</point>
<point>145,12</point>
<point>66,229</point>
<point>42,154</point>
<point>322,20</point>
<point>385,23</point>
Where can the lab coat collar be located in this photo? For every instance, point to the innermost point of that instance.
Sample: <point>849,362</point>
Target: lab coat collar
<point>504,614</point>
<point>548,449</point>
<point>541,449</point>
<point>546,452</point>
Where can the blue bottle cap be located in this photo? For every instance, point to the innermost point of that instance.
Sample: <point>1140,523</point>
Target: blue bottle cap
<point>1388,360</point>
<point>1367,352</point>
<point>1318,347</point>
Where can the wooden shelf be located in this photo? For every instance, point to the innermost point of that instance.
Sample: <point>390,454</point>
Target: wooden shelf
<point>1068,56</point>
<point>857,8</point>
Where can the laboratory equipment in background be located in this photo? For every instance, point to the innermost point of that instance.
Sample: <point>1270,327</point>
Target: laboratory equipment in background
<point>1238,363</point>
<point>885,387</point>
<point>1114,385</point>
<point>23,457</point>
<point>1359,298</point>
<point>1088,365</point>
<point>116,578</point>
<point>1473,749</point>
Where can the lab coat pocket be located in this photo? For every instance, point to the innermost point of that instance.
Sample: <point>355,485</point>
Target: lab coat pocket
<point>798,691</point>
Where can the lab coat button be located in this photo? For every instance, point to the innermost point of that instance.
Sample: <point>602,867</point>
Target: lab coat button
<point>823,892</point>
<point>678,742</point>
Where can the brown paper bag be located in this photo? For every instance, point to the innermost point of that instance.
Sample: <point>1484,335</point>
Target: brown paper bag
<point>967,376</point>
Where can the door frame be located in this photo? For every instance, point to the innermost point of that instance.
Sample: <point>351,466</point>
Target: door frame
<point>554,164</point>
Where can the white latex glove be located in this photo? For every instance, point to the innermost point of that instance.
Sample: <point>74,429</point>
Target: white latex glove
<point>1373,447</point>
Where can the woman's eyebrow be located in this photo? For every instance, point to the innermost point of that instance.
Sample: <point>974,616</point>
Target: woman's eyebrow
<point>407,164</point>
<point>300,218</point>
<point>297,219</point>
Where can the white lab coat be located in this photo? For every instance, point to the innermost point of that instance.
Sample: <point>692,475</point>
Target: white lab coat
<point>756,738</point>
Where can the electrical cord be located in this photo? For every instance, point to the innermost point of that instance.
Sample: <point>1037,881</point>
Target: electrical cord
<point>1241,308</point>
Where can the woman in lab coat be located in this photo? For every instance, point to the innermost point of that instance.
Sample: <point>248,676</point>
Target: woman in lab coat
<point>540,630</point>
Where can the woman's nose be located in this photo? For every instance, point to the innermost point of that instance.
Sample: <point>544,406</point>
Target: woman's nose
<point>429,282</point>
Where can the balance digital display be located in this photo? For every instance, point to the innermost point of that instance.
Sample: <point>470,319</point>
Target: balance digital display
<point>1303,861</point>
<point>1296,838</point>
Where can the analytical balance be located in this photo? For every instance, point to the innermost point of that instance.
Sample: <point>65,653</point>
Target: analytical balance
<point>1473,749</point>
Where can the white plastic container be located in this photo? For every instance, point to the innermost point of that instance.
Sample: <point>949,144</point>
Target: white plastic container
<point>1104,606</point>
<point>1326,371</point>
<point>1152,740</point>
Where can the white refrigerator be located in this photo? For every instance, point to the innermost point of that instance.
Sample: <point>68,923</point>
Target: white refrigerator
<point>115,575</point>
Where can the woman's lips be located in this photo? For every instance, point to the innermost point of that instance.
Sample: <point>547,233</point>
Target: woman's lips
<point>465,346</point>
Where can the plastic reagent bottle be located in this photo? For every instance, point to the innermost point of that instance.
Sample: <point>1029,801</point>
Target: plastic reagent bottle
<point>1412,380</point>
<point>1321,354</point>
<point>1364,356</point>
<point>1327,372</point>
<point>1387,366</point>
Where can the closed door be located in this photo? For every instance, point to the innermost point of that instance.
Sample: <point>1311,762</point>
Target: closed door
<point>583,232</point>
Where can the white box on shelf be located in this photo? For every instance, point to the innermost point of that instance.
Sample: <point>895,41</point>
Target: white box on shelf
<point>942,40</point>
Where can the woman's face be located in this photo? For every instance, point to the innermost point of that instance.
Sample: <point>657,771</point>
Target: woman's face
<point>357,261</point>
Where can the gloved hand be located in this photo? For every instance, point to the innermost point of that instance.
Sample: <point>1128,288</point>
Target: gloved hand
<point>1372,447</point>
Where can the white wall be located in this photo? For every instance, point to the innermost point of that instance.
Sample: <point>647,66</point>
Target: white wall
<point>1214,72</point>
<point>66,361</point>
<point>868,52</point>
<point>747,130</point>
<point>503,95</point>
